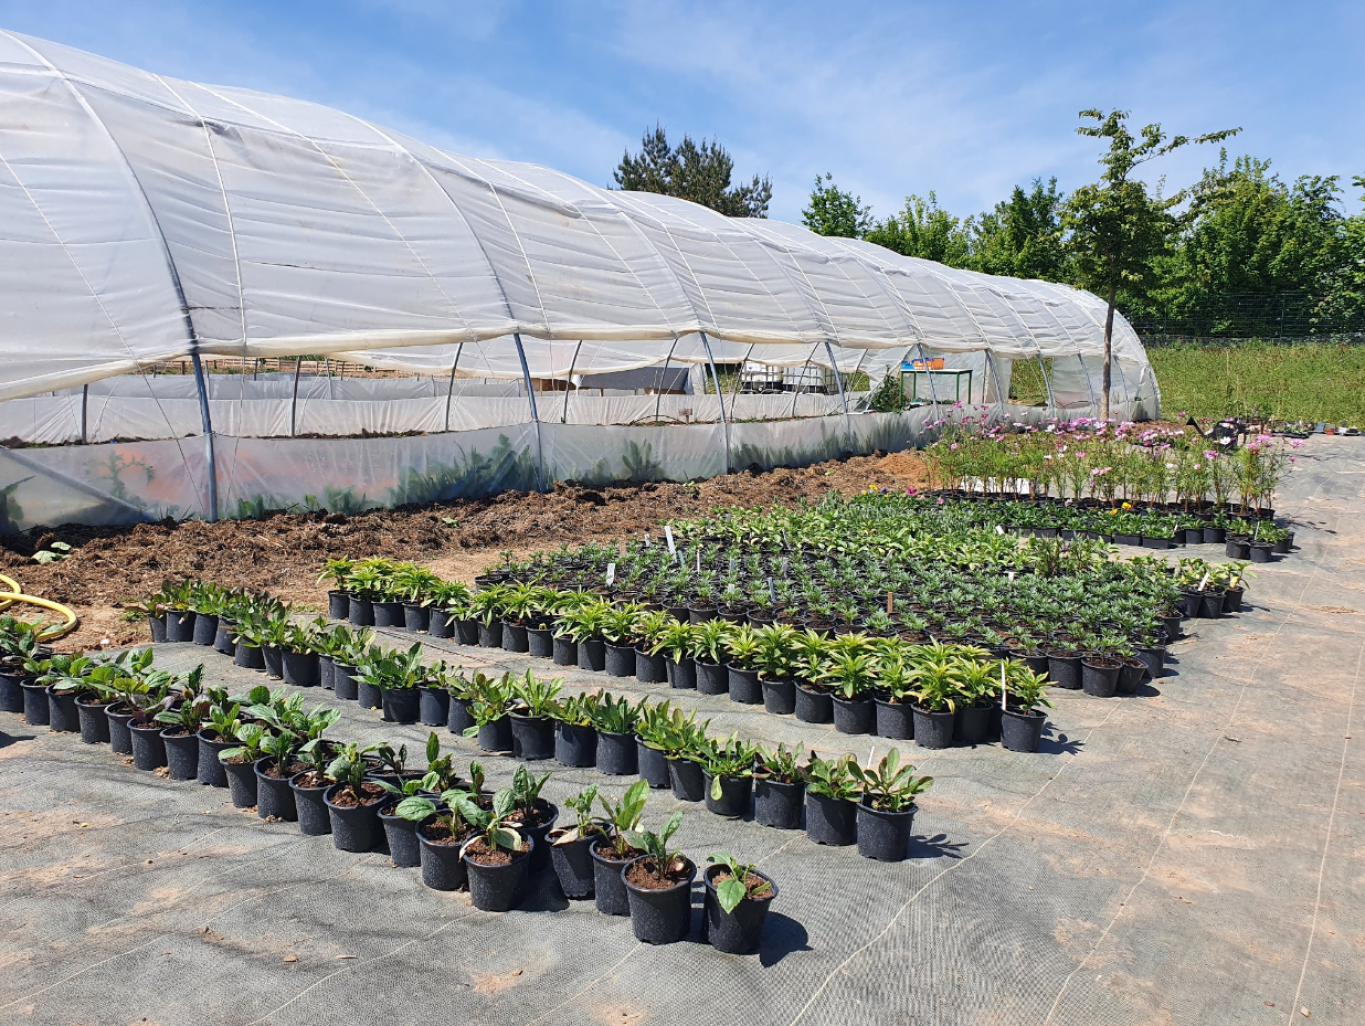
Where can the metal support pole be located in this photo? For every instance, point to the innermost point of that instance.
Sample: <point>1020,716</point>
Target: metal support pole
<point>535,414</point>
<point>1089,388</point>
<point>327,366</point>
<point>1046,383</point>
<point>568,382</point>
<point>207,424</point>
<point>805,368</point>
<point>739,381</point>
<point>659,392</point>
<point>85,412</point>
<point>450,392</point>
<point>720,396</point>
<point>929,377</point>
<point>294,402</point>
<point>843,398</point>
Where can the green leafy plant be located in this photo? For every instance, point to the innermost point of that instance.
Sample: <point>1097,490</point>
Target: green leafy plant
<point>737,882</point>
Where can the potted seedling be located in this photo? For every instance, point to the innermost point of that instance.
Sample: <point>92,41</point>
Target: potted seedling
<point>353,801</point>
<point>831,800</point>
<point>937,695</point>
<point>814,701</point>
<point>736,904</point>
<point>1100,667</point>
<point>774,660</point>
<point>651,736</point>
<point>850,674</point>
<point>497,857</point>
<point>1021,728</point>
<point>575,742</point>
<point>709,653</point>
<point>886,811</point>
<point>729,776</point>
<point>239,763</point>
<point>533,816</point>
<point>533,711</point>
<point>659,886</point>
<point>779,788</point>
<point>616,720</point>
<point>439,832</point>
<point>490,706</point>
<point>570,850</point>
<point>894,696</point>
<point>294,736</point>
<point>614,850</point>
<point>619,632</point>
<point>584,627</point>
<point>486,607</point>
<point>978,688</point>
<point>742,646</point>
<point>63,678</point>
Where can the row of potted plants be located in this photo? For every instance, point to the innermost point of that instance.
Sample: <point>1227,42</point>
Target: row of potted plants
<point>272,754</point>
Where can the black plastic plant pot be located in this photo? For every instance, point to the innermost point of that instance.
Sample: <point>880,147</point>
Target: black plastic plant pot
<point>180,625</point>
<point>1190,602</point>
<point>1237,548</point>
<point>813,706</point>
<point>884,836</point>
<point>416,617</point>
<point>205,629</point>
<point>609,888</point>
<point>661,916</point>
<point>540,852</point>
<point>338,604</point>
<point>241,778</point>
<point>564,651</point>
<point>301,669</point>
<point>1099,681</point>
<point>388,614</point>
<point>616,754</point>
<point>1022,731</point>
<point>404,850</point>
<point>540,642</point>
<point>1283,546</point>
<point>934,729</point>
<point>1130,675</point>
<point>652,766</point>
<point>1194,536</point>
<point>36,711</point>
<point>895,721</point>
<point>1232,600</point>
<point>592,655</point>
<point>158,628</point>
<point>400,705</point>
<point>211,771</point>
<point>1261,552</point>
<point>327,672</point>
<point>1215,535</point>
<point>681,673</point>
<point>274,796</point>
<point>778,804</point>
<point>1155,659</point>
<point>533,737</point>
<point>515,638</point>
<point>368,696</point>
<point>620,660</point>
<point>443,867</point>
<point>779,697</point>
<point>854,715</point>
<point>11,693</point>
<point>573,865</point>
<point>735,794</point>
<point>499,888</point>
<point>94,722</point>
<point>467,632</point>
<point>360,611</point>
<point>650,669</point>
<point>576,744</point>
<point>831,821</point>
<point>354,827</point>
<point>743,685</point>
<point>62,714</point>
<point>311,804</point>
<point>490,634</point>
<point>738,932</point>
<point>1211,605</point>
<point>971,724</point>
<point>687,779</point>
<point>120,739</point>
<point>439,624</point>
<point>459,719</point>
<point>149,750</point>
<point>433,706</point>
<point>248,657</point>
<point>182,755</point>
<point>343,681</point>
<point>712,678</point>
<point>496,735</point>
<point>1064,670</point>
<point>274,661</point>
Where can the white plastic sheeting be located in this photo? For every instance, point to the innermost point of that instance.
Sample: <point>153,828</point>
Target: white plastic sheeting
<point>143,217</point>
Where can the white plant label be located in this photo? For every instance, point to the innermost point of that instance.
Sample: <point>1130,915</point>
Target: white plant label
<point>668,534</point>
<point>648,543</point>
<point>890,604</point>
<point>1204,581</point>
<point>732,564</point>
<point>699,560</point>
<point>999,529</point>
<point>1004,690</point>
<point>772,592</point>
<point>611,572</point>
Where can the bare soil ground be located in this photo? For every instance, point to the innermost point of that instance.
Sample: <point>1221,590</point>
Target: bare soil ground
<point>110,567</point>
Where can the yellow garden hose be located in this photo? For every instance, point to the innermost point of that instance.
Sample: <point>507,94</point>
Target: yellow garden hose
<point>11,592</point>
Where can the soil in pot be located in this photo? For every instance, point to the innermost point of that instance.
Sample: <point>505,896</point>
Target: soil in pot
<point>497,878</point>
<point>36,711</point>
<point>274,796</point>
<point>831,821</point>
<point>496,735</point>
<point>301,669</point>
<point>180,625</point>
<point>120,739</point>
<point>738,932</point>
<point>467,632</point>
<point>933,729</point>
<point>222,639</point>
<point>514,637</point>
<point>650,669</point>
<point>182,753</point>
<point>241,778</point>
<point>1131,672</point>
<point>1022,731</point>
<point>459,719</point>
<point>1232,600</point>
<point>575,744</point>
<point>616,754</point>
<point>573,864</point>
<point>354,813</point>
<point>1211,604</point>
<point>533,737</point>
<point>338,604</point>
<point>360,611</point>
<point>388,614</point>
<point>609,887</point>
<point>274,661</point>
<point>440,625</point>
<point>620,660</point>
<point>539,642</point>
<point>211,771</point>
<point>536,824</point>
<point>883,835</point>
<point>248,657</point>
<point>565,652</point>
<point>368,696</point>
<point>490,634</point>
<point>1100,677</point>
<point>660,902</point>
<point>778,803</point>
<point>310,791</point>
<point>344,684</point>
<point>416,617</point>
<point>438,853</point>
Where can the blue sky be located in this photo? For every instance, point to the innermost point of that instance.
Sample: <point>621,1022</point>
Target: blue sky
<point>894,97</point>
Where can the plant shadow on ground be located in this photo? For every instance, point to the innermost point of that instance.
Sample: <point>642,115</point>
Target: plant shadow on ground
<point>8,739</point>
<point>1059,744</point>
<point>935,847</point>
<point>544,894</point>
<point>782,936</point>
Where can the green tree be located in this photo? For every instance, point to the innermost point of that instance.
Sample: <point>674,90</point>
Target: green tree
<point>1343,301</point>
<point>691,171</point>
<point>1117,228</point>
<point>831,211</point>
<point>924,229</point>
<point>1022,237</point>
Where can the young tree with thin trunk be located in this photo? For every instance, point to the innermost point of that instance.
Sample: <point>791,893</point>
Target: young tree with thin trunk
<point>1117,228</point>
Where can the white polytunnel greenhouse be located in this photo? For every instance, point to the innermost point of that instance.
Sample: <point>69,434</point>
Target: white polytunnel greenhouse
<point>216,302</point>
